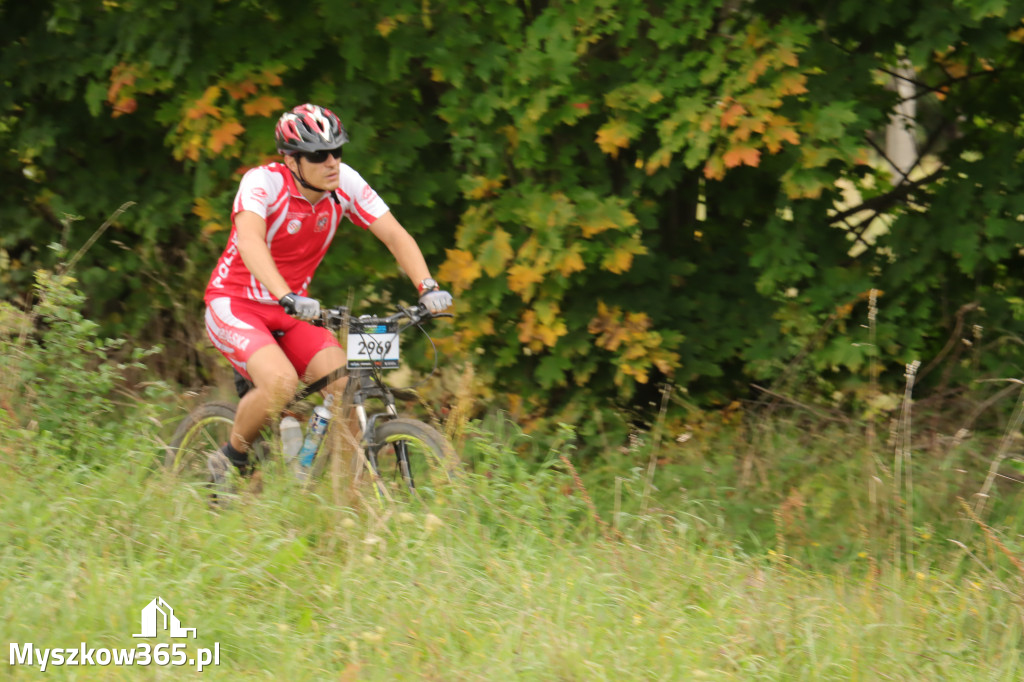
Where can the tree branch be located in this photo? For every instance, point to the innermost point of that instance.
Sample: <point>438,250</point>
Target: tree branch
<point>954,338</point>
<point>884,201</point>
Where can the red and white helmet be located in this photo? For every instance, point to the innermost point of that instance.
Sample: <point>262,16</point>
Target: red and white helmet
<point>309,128</point>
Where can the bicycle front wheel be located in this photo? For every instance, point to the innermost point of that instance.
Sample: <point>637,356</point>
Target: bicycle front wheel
<point>411,460</point>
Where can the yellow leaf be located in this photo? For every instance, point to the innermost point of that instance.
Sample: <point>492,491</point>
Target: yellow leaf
<point>522,278</point>
<point>538,331</point>
<point>714,169</point>
<point>225,136</point>
<point>638,373</point>
<point>386,25</point>
<point>122,77</point>
<point>794,85</point>
<point>496,252</point>
<point>203,209</point>
<point>549,335</point>
<point>741,156</point>
<point>532,265</point>
<point>530,250</point>
<point>241,90</point>
<point>512,134</point>
<point>629,335</point>
<point>204,105</point>
<point>271,76</point>
<point>759,67</point>
<point>526,326</point>
<point>189,148</point>
<point>480,186</point>
<point>459,270</point>
<point>212,228</point>
<point>609,215</point>
<point>787,56</point>
<point>597,224</point>
<point>265,105</point>
<point>571,262</point>
<point>661,159</point>
<point>732,114</point>
<point>618,261</point>
<point>125,106</point>
<point>615,135</point>
<point>621,258</point>
<point>780,129</point>
<point>548,311</point>
<point>613,328</point>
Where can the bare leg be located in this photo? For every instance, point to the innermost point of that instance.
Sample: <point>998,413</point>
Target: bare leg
<point>322,364</point>
<point>275,381</point>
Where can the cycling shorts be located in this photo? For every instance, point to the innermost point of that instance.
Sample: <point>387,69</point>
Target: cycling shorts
<point>239,328</point>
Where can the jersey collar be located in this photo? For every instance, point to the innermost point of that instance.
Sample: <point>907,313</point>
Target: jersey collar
<point>293,188</point>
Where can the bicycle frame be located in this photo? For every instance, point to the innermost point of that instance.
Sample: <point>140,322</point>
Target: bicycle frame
<point>368,383</point>
<point>414,443</point>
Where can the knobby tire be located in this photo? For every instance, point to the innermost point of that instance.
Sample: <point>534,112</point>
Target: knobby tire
<point>432,462</point>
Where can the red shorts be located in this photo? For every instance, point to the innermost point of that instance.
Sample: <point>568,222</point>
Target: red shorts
<point>239,328</point>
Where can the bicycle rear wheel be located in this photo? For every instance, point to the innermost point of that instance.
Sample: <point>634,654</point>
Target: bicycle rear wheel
<point>206,428</point>
<point>412,461</point>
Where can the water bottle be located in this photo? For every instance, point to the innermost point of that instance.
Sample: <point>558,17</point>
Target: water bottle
<point>314,434</point>
<point>291,438</point>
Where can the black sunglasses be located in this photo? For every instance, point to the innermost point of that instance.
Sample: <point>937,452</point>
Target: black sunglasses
<point>321,155</point>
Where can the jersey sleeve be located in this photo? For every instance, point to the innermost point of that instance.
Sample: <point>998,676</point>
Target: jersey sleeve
<point>364,204</point>
<point>255,193</point>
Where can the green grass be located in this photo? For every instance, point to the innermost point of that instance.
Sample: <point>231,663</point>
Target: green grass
<point>506,577</point>
<point>729,548</point>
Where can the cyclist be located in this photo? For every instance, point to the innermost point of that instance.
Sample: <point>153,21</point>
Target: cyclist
<point>285,216</point>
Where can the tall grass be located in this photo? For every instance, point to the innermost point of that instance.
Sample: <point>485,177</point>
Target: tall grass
<point>651,563</point>
<point>502,579</point>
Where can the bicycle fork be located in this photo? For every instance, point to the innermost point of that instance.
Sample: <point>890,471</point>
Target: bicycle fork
<point>366,426</point>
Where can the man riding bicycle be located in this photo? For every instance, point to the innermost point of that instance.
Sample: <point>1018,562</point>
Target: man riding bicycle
<point>284,217</point>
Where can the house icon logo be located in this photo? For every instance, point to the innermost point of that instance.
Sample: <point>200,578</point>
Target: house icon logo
<point>152,621</point>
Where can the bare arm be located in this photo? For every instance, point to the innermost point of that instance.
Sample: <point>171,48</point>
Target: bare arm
<point>402,246</point>
<point>251,231</point>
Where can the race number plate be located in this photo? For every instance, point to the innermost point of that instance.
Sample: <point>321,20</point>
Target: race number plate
<point>372,345</point>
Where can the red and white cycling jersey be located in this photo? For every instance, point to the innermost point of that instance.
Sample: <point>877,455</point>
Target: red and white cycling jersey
<point>298,233</point>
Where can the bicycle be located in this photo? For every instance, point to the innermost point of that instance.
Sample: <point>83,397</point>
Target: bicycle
<point>422,457</point>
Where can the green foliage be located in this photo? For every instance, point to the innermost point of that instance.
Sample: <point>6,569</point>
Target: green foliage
<point>62,376</point>
<point>620,193</point>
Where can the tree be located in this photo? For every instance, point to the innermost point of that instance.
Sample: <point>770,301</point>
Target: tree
<point>618,192</point>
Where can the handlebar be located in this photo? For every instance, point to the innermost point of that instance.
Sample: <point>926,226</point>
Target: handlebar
<point>336,318</point>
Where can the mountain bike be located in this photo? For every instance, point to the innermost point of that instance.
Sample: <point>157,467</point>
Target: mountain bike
<point>405,458</point>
